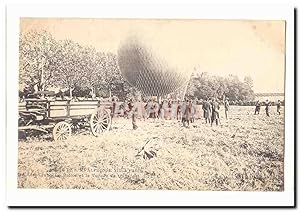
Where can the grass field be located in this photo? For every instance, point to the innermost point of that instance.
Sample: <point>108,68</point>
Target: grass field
<point>245,153</point>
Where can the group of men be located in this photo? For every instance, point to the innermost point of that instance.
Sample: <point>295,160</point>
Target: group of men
<point>267,107</point>
<point>211,110</point>
<point>183,111</point>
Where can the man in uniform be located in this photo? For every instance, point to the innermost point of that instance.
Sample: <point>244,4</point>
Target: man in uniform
<point>163,109</point>
<point>179,108</point>
<point>215,107</point>
<point>149,108</point>
<point>174,107</point>
<point>133,112</point>
<point>268,104</point>
<point>226,105</point>
<point>206,107</point>
<point>257,107</point>
<point>156,108</point>
<point>186,113</point>
<point>192,105</point>
<point>278,107</point>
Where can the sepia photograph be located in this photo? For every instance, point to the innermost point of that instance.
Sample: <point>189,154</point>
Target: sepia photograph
<point>156,105</point>
<point>151,104</point>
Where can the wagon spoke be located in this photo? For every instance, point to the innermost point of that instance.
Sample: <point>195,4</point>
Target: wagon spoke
<point>98,129</point>
<point>95,128</point>
<point>103,127</point>
<point>105,120</point>
<point>95,122</point>
<point>59,138</point>
<point>99,116</point>
<point>64,136</point>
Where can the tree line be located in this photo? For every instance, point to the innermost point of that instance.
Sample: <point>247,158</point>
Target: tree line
<point>46,63</point>
<point>203,85</point>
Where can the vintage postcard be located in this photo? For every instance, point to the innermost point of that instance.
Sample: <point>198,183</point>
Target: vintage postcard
<point>152,104</point>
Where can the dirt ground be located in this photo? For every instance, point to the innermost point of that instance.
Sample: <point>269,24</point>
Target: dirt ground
<point>244,153</point>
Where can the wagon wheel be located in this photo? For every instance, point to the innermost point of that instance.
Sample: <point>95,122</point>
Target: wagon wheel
<point>62,131</point>
<point>100,121</point>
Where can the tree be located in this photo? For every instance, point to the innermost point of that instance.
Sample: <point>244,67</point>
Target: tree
<point>37,55</point>
<point>111,81</point>
<point>203,85</point>
<point>248,88</point>
<point>248,82</point>
<point>70,68</point>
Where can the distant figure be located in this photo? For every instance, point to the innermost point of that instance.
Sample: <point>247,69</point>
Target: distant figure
<point>198,109</point>
<point>126,110</point>
<point>133,112</point>
<point>163,110</point>
<point>215,116</point>
<point>149,108</point>
<point>179,109</point>
<point>278,107</point>
<point>140,108</point>
<point>226,105</point>
<point>257,107</point>
<point>174,107</point>
<point>268,104</point>
<point>156,108</point>
<point>169,108</point>
<point>27,91</point>
<point>206,107</point>
<point>186,113</point>
<point>193,110</point>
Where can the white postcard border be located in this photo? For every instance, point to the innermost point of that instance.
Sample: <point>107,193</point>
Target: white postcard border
<point>60,197</point>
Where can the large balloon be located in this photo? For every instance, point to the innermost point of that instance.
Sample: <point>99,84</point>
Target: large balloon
<point>146,69</point>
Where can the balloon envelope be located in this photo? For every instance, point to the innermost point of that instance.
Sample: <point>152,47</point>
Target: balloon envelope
<point>144,68</point>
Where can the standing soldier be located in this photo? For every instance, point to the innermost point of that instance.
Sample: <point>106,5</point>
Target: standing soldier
<point>140,108</point>
<point>156,109</point>
<point>149,108</point>
<point>133,112</point>
<point>215,112</point>
<point>179,109</point>
<point>186,113</point>
<point>182,112</point>
<point>164,109</point>
<point>257,107</point>
<point>226,105</point>
<point>126,109</point>
<point>193,110</point>
<point>206,110</point>
<point>268,104</point>
<point>278,107</point>
<point>174,110</point>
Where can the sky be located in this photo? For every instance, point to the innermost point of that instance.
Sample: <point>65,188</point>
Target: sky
<point>219,47</point>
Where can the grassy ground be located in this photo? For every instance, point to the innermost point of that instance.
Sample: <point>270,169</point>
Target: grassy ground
<point>245,153</point>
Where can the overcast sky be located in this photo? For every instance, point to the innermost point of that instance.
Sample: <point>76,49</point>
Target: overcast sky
<point>243,48</point>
